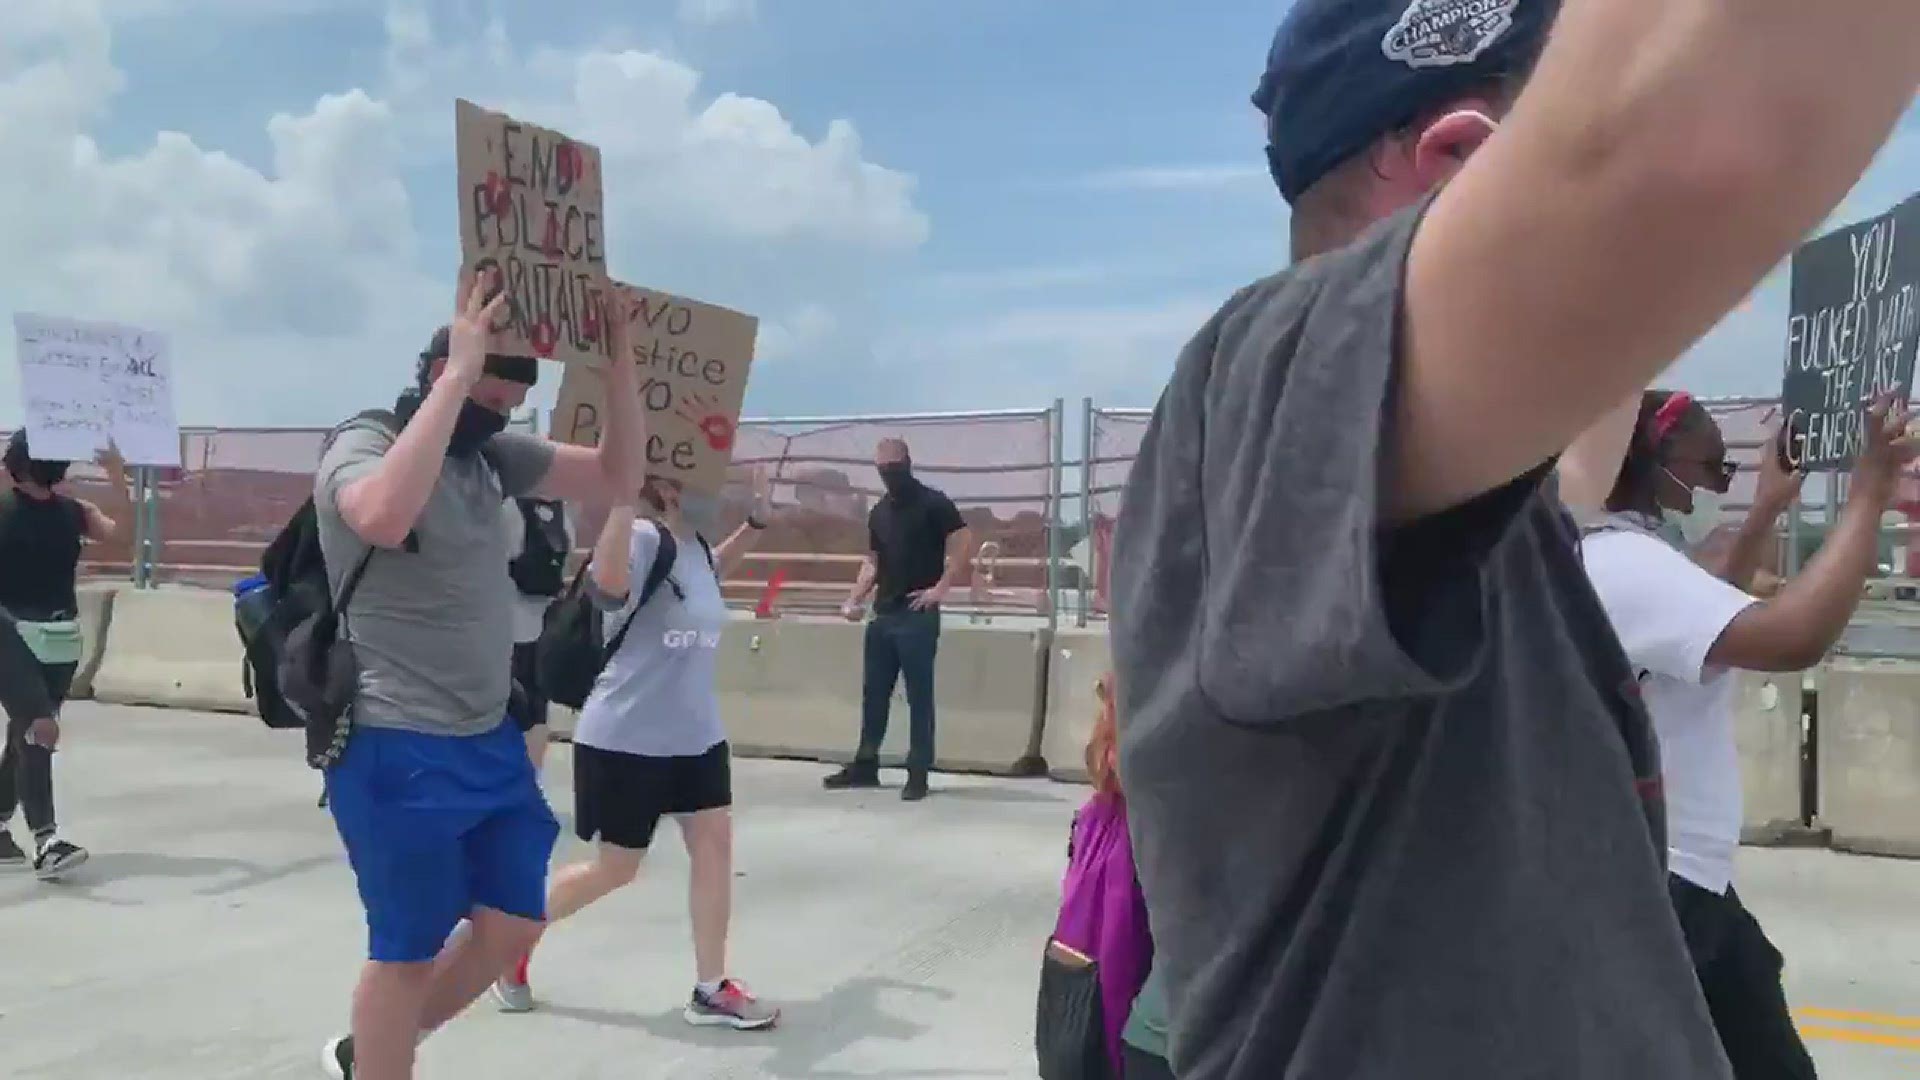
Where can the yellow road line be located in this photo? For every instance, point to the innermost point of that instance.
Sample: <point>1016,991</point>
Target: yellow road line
<point>1843,1016</point>
<point>1871,1038</point>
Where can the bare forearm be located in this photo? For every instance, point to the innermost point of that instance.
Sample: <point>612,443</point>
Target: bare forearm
<point>864,581</point>
<point>1591,465</point>
<point>959,551</point>
<point>1743,557</point>
<point>610,570</point>
<point>384,505</point>
<point>734,549</point>
<point>1823,596</point>
<point>623,440</point>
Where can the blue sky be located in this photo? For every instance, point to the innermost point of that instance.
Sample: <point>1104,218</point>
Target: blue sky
<point>931,205</point>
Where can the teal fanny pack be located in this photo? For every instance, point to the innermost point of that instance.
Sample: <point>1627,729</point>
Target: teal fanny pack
<point>58,642</point>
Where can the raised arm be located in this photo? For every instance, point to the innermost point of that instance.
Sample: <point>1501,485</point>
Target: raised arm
<point>1590,466</point>
<point>612,471</point>
<point>612,566</point>
<point>1665,155</point>
<point>382,505</point>
<point>1739,560</point>
<point>1796,628</point>
<point>110,524</point>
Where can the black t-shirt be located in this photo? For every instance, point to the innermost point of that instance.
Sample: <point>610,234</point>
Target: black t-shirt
<point>1394,800</point>
<point>908,533</point>
<point>40,541</point>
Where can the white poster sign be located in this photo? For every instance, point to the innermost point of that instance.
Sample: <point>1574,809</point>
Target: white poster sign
<point>85,384</point>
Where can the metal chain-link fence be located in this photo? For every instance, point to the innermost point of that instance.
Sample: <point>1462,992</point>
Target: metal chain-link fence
<point>238,487</point>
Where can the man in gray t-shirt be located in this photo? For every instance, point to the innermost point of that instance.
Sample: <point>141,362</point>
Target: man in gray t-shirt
<point>1394,799</point>
<point>435,796</point>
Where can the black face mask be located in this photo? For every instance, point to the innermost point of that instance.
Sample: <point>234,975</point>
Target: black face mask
<point>475,426</point>
<point>897,476</point>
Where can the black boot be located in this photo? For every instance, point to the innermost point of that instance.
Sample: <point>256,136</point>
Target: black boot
<point>860,774</point>
<point>916,788</point>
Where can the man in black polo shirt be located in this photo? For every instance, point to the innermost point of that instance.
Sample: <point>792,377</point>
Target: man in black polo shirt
<point>917,546</point>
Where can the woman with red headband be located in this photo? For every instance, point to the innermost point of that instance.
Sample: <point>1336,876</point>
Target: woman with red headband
<point>1686,630</point>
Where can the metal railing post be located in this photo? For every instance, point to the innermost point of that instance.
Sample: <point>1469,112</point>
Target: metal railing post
<point>1057,444</point>
<point>1086,509</point>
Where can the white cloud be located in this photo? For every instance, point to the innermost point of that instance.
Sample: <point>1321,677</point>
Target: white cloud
<point>796,333</point>
<point>296,288</point>
<point>1209,177</point>
<point>1028,356</point>
<point>715,12</point>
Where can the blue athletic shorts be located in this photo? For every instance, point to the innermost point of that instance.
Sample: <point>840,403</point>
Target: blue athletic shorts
<point>437,825</point>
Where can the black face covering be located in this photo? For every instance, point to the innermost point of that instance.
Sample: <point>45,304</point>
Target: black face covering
<point>897,476</point>
<point>475,426</point>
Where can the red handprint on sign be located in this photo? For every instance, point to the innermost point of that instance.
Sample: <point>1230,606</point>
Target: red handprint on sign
<point>700,411</point>
<point>499,194</point>
<point>543,337</point>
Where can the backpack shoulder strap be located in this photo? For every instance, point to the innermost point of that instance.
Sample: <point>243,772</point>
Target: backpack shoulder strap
<point>707,550</point>
<point>661,568</point>
<point>657,573</point>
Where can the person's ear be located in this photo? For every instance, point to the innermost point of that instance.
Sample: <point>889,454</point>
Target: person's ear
<point>1446,144</point>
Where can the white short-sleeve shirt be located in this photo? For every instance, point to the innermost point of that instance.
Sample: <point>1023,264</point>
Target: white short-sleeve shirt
<point>1668,611</point>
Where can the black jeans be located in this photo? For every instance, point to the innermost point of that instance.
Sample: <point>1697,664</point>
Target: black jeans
<point>899,644</point>
<point>1740,970</point>
<point>26,771</point>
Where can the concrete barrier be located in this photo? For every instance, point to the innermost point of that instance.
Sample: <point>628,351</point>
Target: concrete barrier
<point>175,648</point>
<point>1869,755</point>
<point>791,688</point>
<point>1770,729</point>
<point>96,616</point>
<point>1079,658</point>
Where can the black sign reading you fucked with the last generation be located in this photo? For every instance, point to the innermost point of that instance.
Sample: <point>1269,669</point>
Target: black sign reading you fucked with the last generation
<point>1852,334</point>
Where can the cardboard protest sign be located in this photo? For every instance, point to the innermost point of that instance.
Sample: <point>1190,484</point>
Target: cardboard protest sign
<point>693,360</point>
<point>1852,333</point>
<point>531,209</point>
<point>83,385</point>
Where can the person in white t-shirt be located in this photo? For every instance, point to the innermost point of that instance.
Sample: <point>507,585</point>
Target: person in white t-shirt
<point>650,745</point>
<point>1686,630</point>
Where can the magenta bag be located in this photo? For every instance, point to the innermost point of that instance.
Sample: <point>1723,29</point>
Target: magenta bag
<point>1100,951</point>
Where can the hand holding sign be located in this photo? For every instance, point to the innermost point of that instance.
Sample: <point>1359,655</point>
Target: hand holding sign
<point>1886,449</point>
<point>1779,481</point>
<point>467,334</point>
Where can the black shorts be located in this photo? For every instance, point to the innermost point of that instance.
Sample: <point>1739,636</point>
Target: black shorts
<point>528,705</point>
<point>620,798</point>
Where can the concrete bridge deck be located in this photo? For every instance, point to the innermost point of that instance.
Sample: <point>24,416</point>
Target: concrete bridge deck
<point>216,934</point>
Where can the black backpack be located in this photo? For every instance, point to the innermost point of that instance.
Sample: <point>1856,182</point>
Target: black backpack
<point>297,669</point>
<point>540,570</point>
<point>573,649</point>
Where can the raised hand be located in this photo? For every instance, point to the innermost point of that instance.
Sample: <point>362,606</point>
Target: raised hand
<point>1886,450</point>
<point>470,332</point>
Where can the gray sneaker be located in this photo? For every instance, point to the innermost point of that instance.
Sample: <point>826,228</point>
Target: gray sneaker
<point>730,1006</point>
<point>512,997</point>
<point>10,853</point>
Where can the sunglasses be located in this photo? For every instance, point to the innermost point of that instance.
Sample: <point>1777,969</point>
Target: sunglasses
<point>1727,469</point>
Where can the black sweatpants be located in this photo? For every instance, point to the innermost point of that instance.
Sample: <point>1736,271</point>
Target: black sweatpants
<point>26,771</point>
<point>1740,971</point>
